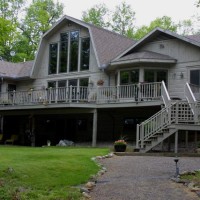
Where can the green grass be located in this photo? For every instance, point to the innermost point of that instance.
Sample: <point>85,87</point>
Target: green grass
<point>45,173</point>
<point>195,178</point>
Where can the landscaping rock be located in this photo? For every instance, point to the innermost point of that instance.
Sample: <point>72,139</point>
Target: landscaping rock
<point>90,185</point>
<point>64,143</point>
<point>86,195</point>
<point>83,189</point>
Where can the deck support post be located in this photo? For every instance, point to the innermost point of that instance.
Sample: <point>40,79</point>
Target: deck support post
<point>2,119</point>
<point>94,133</point>
<point>186,139</point>
<point>195,138</point>
<point>176,143</point>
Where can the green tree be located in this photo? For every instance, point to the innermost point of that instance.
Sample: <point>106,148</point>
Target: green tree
<point>164,22</point>
<point>40,16</point>
<point>96,15</point>
<point>120,21</point>
<point>185,27</point>
<point>9,14</point>
<point>123,19</point>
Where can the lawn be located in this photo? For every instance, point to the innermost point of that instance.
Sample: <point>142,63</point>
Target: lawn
<point>45,173</point>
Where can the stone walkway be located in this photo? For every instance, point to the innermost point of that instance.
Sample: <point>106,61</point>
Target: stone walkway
<point>143,178</point>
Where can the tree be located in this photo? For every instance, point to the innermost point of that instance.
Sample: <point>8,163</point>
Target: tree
<point>96,15</point>
<point>164,22</point>
<point>122,19</point>
<point>185,27</point>
<point>198,3</point>
<point>9,10</point>
<point>40,16</point>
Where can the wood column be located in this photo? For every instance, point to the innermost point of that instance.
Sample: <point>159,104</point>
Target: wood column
<point>94,133</point>
<point>176,143</point>
<point>186,139</point>
<point>2,119</point>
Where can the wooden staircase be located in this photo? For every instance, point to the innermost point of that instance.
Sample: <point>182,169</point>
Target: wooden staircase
<point>163,124</point>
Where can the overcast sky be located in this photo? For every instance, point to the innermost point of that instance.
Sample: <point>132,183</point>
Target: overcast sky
<point>146,10</point>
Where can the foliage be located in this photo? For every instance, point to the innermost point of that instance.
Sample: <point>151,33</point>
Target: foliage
<point>122,19</point>
<point>9,10</point>
<point>120,142</point>
<point>96,15</point>
<point>164,22</point>
<point>193,177</point>
<point>40,16</point>
<point>45,173</point>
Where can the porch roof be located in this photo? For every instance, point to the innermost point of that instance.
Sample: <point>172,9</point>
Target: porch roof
<point>143,57</point>
<point>15,70</point>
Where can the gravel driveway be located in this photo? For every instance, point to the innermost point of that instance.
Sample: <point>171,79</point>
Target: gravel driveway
<point>143,178</point>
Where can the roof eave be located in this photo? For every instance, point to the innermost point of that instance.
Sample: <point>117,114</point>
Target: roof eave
<point>143,60</point>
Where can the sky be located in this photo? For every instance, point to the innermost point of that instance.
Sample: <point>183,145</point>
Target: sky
<point>145,10</point>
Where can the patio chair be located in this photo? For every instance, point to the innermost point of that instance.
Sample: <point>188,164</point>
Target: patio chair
<point>12,139</point>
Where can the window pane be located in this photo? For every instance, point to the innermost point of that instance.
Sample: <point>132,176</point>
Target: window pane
<point>72,82</point>
<point>53,50</point>
<point>134,76</point>
<point>74,39</point>
<point>85,53</point>
<point>84,82</point>
<point>124,77</point>
<point>195,77</point>
<point>149,76</point>
<point>52,84</point>
<point>162,76</point>
<point>63,52</point>
<point>61,83</point>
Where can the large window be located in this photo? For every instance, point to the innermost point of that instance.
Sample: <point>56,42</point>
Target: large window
<point>129,77</point>
<point>53,53</point>
<point>63,52</point>
<point>74,41</point>
<point>71,57</point>
<point>85,53</point>
<point>195,77</point>
<point>155,76</point>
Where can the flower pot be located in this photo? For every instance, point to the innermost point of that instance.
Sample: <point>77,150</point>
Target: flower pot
<point>120,148</point>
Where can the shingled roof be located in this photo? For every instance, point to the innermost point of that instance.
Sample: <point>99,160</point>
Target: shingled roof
<point>15,70</point>
<point>147,55</point>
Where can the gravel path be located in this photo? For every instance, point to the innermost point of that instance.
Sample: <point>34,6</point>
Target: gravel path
<point>143,178</point>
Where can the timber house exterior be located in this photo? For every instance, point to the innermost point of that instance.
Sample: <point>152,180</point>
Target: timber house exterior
<point>88,84</point>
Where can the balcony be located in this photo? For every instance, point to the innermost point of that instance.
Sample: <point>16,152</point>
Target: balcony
<point>134,93</point>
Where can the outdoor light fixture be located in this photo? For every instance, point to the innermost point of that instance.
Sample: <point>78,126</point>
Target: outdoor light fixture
<point>177,168</point>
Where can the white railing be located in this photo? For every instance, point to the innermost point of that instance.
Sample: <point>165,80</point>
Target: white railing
<point>176,113</point>
<point>165,95</point>
<point>123,93</point>
<point>195,90</point>
<point>191,100</point>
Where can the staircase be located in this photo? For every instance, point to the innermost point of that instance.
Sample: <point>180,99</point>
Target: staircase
<point>164,123</point>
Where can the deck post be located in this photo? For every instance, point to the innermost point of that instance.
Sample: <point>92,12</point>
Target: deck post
<point>2,119</point>
<point>186,139</point>
<point>137,137</point>
<point>32,131</point>
<point>94,133</point>
<point>195,138</point>
<point>176,143</point>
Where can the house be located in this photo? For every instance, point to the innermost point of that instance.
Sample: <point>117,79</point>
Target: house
<point>88,84</point>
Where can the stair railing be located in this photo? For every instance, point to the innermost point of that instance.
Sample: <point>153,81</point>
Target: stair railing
<point>165,95</point>
<point>153,125</point>
<point>192,101</point>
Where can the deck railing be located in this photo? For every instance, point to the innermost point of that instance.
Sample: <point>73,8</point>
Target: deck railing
<point>123,93</point>
<point>176,113</point>
<point>196,91</point>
